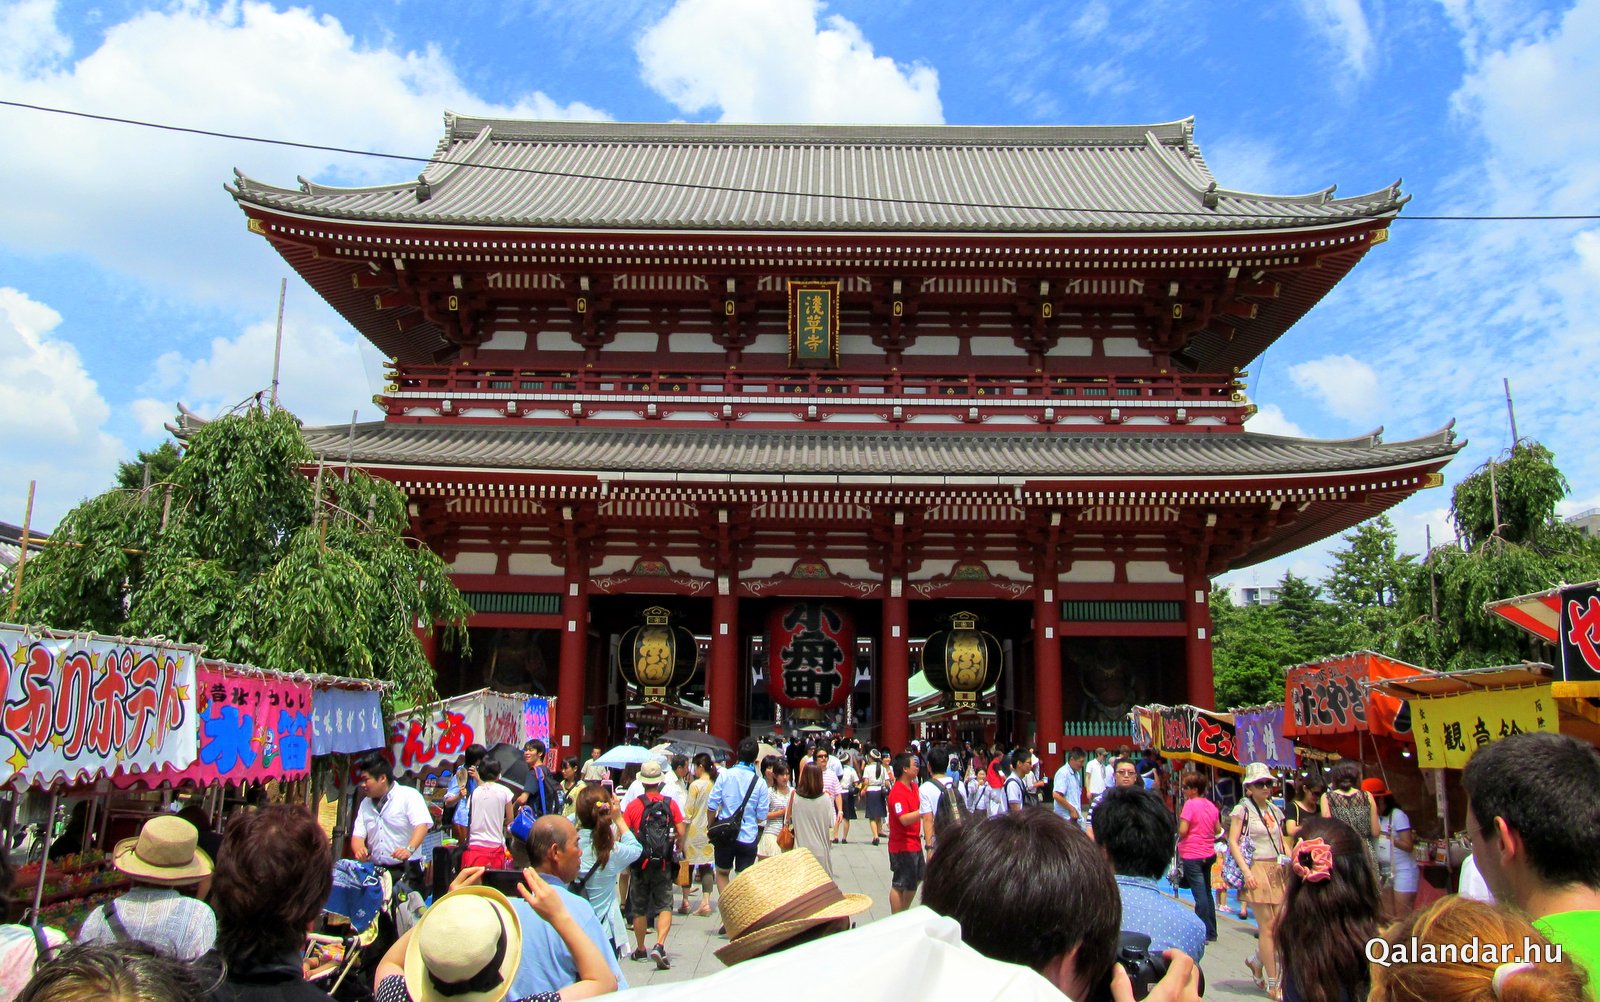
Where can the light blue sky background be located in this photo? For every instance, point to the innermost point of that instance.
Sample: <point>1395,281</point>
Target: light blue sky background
<point>128,282</point>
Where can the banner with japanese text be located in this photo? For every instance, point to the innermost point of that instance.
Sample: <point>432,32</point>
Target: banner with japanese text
<point>253,726</point>
<point>1177,732</point>
<point>1329,708</point>
<point>430,738</point>
<point>1213,742</point>
<point>814,323</point>
<point>1146,728</point>
<point>346,721</point>
<point>1259,737</point>
<point>79,708</point>
<point>1579,635</point>
<point>1450,728</point>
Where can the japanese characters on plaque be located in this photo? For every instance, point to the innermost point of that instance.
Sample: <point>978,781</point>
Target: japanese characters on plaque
<point>79,709</point>
<point>1448,729</point>
<point>814,323</point>
<point>1580,634</point>
<point>811,655</point>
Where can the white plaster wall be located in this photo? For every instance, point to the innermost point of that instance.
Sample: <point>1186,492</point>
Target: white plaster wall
<point>937,344</point>
<point>556,341</point>
<point>506,341</point>
<point>1074,347</point>
<point>1091,572</point>
<point>769,344</point>
<point>1124,347</point>
<point>857,345</point>
<point>767,567</point>
<point>633,341</point>
<point>693,344</point>
<point>1151,572</point>
<point>473,563</point>
<point>532,563</point>
<point>613,563</point>
<point>991,345</point>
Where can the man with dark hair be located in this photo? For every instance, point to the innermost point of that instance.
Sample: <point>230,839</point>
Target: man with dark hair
<point>1067,790</point>
<point>1030,889</point>
<point>547,963</point>
<point>542,791</point>
<point>741,784</point>
<point>937,788</point>
<point>1533,811</point>
<point>906,860</point>
<point>1124,773</point>
<point>392,820</point>
<point>1138,833</point>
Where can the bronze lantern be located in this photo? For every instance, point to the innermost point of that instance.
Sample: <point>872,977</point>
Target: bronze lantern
<point>657,657</point>
<point>962,661</point>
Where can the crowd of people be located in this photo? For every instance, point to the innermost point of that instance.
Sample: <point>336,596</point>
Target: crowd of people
<point>1034,883</point>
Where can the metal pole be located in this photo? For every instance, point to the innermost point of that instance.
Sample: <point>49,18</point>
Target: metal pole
<point>277,343</point>
<point>1511,411</point>
<point>22,554</point>
<point>44,858</point>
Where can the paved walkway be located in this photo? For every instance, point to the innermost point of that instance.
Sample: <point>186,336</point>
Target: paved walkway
<point>861,868</point>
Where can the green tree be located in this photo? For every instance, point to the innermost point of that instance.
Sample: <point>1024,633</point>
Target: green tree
<point>1250,648</point>
<point>1368,574</point>
<point>239,550</point>
<point>1527,548</point>
<point>159,463</point>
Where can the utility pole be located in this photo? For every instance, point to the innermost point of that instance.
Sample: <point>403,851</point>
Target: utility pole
<point>277,342</point>
<point>1511,411</point>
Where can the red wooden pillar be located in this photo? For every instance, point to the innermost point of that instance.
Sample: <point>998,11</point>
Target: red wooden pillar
<point>722,680</point>
<point>894,689</point>
<point>1049,737</point>
<point>570,682</point>
<point>428,637</point>
<point>1198,675</point>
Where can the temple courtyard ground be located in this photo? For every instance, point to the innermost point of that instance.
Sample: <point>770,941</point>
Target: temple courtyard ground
<point>864,869</point>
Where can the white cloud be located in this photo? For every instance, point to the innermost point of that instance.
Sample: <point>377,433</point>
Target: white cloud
<point>1347,386</point>
<point>149,203</point>
<point>1252,164</point>
<point>52,413</point>
<point>324,373</point>
<point>1270,420</point>
<point>779,61</point>
<point>1344,25</point>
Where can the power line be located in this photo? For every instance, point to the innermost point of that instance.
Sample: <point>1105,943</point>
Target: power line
<point>735,189</point>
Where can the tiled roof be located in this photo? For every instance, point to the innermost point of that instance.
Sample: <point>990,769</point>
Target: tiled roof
<point>935,179</point>
<point>765,453</point>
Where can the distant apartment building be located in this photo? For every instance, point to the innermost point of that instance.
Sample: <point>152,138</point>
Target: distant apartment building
<point>1586,522</point>
<point>1247,595</point>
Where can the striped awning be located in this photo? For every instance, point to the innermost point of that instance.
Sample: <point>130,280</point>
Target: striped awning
<point>1539,614</point>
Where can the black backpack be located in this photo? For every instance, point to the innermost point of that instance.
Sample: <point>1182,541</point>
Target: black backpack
<point>657,833</point>
<point>950,812</point>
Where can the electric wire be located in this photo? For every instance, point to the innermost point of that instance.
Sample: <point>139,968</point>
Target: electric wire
<point>738,189</point>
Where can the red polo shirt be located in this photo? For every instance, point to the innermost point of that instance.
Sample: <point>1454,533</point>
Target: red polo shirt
<point>903,801</point>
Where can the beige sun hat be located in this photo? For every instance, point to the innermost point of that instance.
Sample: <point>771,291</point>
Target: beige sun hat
<point>779,898</point>
<point>466,948</point>
<point>164,852</point>
<point>650,774</point>
<point>1255,772</point>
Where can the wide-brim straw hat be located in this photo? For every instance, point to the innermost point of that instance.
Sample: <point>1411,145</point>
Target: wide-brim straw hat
<point>779,898</point>
<point>1255,772</point>
<point>457,938</point>
<point>166,851</point>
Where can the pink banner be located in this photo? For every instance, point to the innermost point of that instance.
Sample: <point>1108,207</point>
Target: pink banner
<point>252,728</point>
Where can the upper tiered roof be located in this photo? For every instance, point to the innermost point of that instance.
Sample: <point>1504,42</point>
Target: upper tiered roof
<point>1140,179</point>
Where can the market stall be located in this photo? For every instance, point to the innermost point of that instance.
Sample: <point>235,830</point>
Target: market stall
<point>1328,707</point>
<point>1568,618</point>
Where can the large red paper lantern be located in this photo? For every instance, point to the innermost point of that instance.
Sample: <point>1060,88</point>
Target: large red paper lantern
<point>811,655</point>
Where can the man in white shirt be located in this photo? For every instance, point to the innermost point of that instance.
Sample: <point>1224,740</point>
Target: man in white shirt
<point>1096,775</point>
<point>1067,790</point>
<point>392,821</point>
<point>932,788</point>
<point>673,788</point>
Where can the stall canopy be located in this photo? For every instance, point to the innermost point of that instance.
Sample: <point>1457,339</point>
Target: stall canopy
<point>1329,708</point>
<point>1259,736</point>
<point>434,737</point>
<point>1539,613</point>
<point>1456,713</point>
<point>1568,617</point>
<point>79,707</point>
<point>1188,734</point>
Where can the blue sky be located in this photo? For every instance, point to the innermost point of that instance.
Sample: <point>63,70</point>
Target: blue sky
<point>128,282</point>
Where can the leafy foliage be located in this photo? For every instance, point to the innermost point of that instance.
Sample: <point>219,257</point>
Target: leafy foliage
<point>235,548</point>
<point>159,463</point>
<point>1523,487</point>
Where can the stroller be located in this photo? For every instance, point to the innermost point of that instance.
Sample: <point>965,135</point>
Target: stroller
<point>366,912</point>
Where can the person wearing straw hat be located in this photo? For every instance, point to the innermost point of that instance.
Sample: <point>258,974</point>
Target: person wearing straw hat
<point>163,858</point>
<point>783,901</point>
<point>468,947</point>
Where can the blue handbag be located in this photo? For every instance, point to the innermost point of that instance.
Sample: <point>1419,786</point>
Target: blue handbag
<point>522,825</point>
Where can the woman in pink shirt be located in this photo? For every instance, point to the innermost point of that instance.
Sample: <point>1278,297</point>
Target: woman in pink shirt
<point>1197,838</point>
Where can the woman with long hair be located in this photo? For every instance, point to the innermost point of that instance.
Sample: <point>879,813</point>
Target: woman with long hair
<point>1258,821</point>
<point>1305,805</point>
<point>1523,967</point>
<point>778,815</point>
<point>1330,913</point>
<point>811,815</point>
<point>1397,867</point>
<point>607,848</point>
<point>697,850</point>
<point>1348,802</point>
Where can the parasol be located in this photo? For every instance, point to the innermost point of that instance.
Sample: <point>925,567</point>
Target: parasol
<point>692,743</point>
<point>623,756</point>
